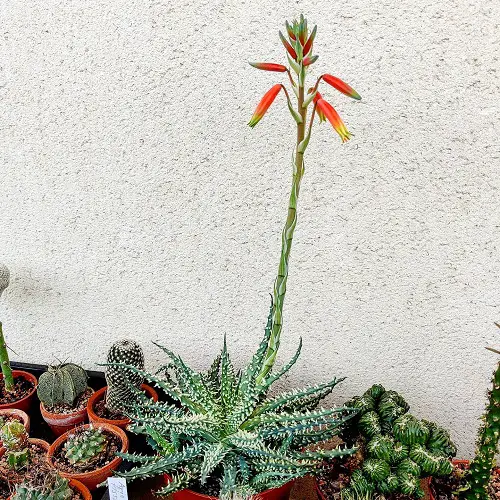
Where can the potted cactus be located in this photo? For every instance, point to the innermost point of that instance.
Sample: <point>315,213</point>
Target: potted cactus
<point>47,484</point>
<point>107,405</point>
<point>64,394</point>
<point>398,453</point>
<point>88,453</point>
<point>13,414</point>
<point>17,387</point>
<point>20,454</point>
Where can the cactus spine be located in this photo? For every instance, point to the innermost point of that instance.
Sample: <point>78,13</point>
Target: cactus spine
<point>84,448</point>
<point>55,487</point>
<point>4,355</point>
<point>15,440</point>
<point>123,383</point>
<point>479,473</point>
<point>62,384</point>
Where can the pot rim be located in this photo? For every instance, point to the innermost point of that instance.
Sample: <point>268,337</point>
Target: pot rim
<point>109,466</point>
<point>27,376</point>
<point>100,394</point>
<point>64,416</point>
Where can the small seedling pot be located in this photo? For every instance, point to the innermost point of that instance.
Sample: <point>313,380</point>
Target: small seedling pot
<point>63,422</point>
<point>281,493</point>
<point>101,394</point>
<point>91,479</point>
<point>23,404</point>
<point>18,415</point>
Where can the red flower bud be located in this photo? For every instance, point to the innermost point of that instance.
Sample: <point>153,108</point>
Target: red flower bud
<point>341,86</point>
<point>309,60</point>
<point>269,67</point>
<point>334,118</point>
<point>288,47</point>
<point>308,45</point>
<point>264,104</point>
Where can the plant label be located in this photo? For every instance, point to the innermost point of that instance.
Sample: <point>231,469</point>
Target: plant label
<point>117,488</point>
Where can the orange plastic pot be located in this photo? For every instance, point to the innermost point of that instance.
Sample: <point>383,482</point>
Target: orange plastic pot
<point>90,479</point>
<point>281,493</point>
<point>101,394</point>
<point>60,423</point>
<point>23,404</point>
<point>18,415</point>
<point>77,487</point>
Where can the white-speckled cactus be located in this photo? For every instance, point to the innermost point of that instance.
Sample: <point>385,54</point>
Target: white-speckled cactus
<point>121,382</point>
<point>4,355</point>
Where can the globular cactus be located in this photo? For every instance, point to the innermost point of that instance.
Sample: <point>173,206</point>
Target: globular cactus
<point>84,448</point>
<point>15,441</point>
<point>122,382</point>
<point>400,449</point>
<point>62,384</point>
<point>54,487</point>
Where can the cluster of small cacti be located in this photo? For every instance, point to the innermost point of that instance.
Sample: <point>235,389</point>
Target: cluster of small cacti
<point>15,441</point>
<point>54,487</point>
<point>479,473</point>
<point>399,449</point>
<point>83,448</point>
<point>123,383</point>
<point>62,385</point>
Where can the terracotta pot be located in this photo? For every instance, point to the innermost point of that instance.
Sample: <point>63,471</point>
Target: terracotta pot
<point>281,493</point>
<point>95,477</point>
<point>101,394</point>
<point>62,422</point>
<point>77,487</point>
<point>18,415</point>
<point>23,404</point>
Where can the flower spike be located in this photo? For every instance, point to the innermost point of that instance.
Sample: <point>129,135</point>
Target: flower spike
<point>269,66</point>
<point>341,86</point>
<point>334,118</point>
<point>264,104</point>
<point>288,47</point>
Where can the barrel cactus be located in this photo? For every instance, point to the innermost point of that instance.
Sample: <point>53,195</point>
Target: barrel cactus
<point>15,441</point>
<point>399,448</point>
<point>54,487</point>
<point>84,447</point>
<point>122,382</point>
<point>62,385</point>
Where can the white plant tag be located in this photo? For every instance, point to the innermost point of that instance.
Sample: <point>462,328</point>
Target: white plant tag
<point>117,488</point>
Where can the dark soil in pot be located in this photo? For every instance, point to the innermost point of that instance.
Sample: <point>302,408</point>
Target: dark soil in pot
<point>102,412</point>
<point>80,404</point>
<point>37,461</point>
<point>22,388</point>
<point>113,445</point>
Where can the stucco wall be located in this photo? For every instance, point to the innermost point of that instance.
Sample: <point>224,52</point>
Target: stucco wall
<point>136,202</point>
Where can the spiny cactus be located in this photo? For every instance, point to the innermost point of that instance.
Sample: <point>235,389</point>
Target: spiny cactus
<point>400,449</point>
<point>84,447</point>
<point>54,487</point>
<point>121,381</point>
<point>4,354</point>
<point>229,429</point>
<point>15,440</point>
<point>479,474</point>
<point>62,384</point>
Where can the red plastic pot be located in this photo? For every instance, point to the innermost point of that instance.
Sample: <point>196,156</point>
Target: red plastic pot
<point>101,394</point>
<point>23,404</point>
<point>18,415</point>
<point>281,493</point>
<point>62,422</point>
<point>90,479</point>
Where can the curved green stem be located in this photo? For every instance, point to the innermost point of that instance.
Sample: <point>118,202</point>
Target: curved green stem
<point>4,361</point>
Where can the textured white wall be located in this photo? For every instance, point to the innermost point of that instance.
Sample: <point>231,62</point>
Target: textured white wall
<point>136,202</point>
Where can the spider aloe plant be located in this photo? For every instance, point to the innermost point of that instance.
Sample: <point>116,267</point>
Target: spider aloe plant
<point>225,427</point>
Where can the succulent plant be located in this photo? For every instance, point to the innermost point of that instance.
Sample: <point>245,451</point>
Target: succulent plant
<point>84,447</point>
<point>62,384</point>
<point>121,381</point>
<point>54,487</point>
<point>4,354</point>
<point>478,476</point>
<point>15,441</point>
<point>399,448</point>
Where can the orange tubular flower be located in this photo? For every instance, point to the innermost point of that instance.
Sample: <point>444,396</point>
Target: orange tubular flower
<point>264,104</point>
<point>269,67</point>
<point>341,86</point>
<point>317,97</point>
<point>334,118</point>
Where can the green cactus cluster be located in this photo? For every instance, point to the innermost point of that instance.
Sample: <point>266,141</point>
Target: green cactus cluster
<point>122,382</point>
<point>15,441</point>
<point>62,385</point>
<point>479,473</point>
<point>84,447</point>
<point>54,487</point>
<point>399,448</point>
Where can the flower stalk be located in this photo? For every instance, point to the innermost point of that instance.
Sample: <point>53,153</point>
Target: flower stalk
<point>299,52</point>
